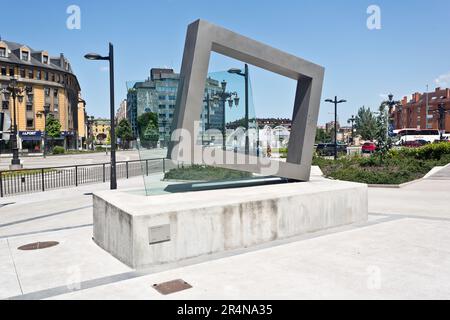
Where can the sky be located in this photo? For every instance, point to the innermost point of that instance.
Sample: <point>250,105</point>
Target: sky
<point>409,51</point>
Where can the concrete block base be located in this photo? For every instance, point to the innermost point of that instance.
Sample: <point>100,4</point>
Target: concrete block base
<point>145,231</point>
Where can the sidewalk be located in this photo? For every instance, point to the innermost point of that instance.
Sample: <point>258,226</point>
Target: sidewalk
<point>402,253</point>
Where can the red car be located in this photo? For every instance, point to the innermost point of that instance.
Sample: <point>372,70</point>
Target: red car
<point>369,147</point>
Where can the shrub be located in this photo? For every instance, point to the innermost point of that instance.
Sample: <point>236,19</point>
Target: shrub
<point>58,150</point>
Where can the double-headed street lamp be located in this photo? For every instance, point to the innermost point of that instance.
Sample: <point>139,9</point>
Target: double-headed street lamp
<point>233,99</point>
<point>110,58</point>
<point>441,113</point>
<point>16,92</point>
<point>45,113</point>
<point>245,74</point>
<point>352,120</point>
<point>335,102</point>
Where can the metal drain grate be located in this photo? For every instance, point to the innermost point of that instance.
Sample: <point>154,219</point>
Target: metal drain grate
<point>170,287</point>
<point>38,245</point>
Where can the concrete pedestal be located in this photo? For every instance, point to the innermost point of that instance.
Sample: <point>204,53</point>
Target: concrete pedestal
<point>144,231</point>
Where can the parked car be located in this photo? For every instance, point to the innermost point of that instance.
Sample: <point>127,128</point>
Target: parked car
<point>369,147</point>
<point>412,144</point>
<point>327,149</point>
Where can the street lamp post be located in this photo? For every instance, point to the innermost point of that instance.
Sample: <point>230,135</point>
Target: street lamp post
<point>441,113</point>
<point>245,74</point>
<point>352,120</point>
<point>335,102</point>
<point>110,58</point>
<point>208,102</point>
<point>17,93</point>
<point>224,97</point>
<point>45,113</point>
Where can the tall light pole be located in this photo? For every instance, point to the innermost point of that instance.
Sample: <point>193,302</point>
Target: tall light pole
<point>245,74</point>
<point>352,120</point>
<point>224,97</point>
<point>110,58</point>
<point>45,113</point>
<point>335,102</point>
<point>17,93</point>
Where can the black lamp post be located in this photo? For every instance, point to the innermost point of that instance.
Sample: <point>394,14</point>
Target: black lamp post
<point>245,74</point>
<point>45,113</point>
<point>110,58</point>
<point>352,120</point>
<point>17,93</point>
<point>391,104</point>
<point>335,102</point>
<point>224,97</point>
<point>441,113</point>
<point>208,102</point>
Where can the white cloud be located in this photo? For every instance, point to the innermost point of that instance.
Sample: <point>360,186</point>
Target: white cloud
<point>104,69</point>
<point>443,80</point>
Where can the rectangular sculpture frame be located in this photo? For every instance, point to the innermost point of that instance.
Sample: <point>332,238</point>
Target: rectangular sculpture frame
<point>202,39</point>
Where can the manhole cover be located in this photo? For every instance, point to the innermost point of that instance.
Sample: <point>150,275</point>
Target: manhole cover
<point>172,287</point>
<point>38,245</point>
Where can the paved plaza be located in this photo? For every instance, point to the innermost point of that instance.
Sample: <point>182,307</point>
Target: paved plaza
<point>401,253</point>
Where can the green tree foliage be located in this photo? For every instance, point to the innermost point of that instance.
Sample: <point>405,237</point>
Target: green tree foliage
<point>124,132</point>
<point>366,124</point>
<point>53,127</point>
<point>144,120</point>
<point>322,136</point>
<point>384,142</point>
<point>148,128</point>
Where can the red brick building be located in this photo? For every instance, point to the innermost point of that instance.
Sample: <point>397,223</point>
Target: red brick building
<point>412,113</point>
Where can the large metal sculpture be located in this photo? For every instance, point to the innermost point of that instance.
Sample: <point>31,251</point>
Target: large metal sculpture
<point>204,38</point>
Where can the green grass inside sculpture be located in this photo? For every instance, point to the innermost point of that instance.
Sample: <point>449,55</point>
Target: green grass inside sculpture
<point>205,173</point>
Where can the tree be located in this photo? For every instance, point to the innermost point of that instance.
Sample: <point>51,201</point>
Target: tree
<point>366,124</point>
<point>124,132</point>
<point>151,135</point>
<point>384,142</point>
<point>322,136</point>
<point>53,128</point>
<point>144,120</point>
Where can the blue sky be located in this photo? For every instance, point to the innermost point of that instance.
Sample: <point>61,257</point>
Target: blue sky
<point>409,52</point>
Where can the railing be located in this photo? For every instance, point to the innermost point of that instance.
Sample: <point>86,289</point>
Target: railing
<point>23,181</point>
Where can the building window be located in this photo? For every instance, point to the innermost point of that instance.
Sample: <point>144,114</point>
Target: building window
<point>47,92</point>
<point>55,93</point>
<point>38,75</point>
<point>45,59</point>
<point>162,97</point>
<point>172,98</point>
<point>11,71</point>
<point>30,74</point>
<point>162,106</point>
<point>3,71</point>
<point>5,105</point>
<point>29,107</point>
<point>30,123</point>
<point>2,52</point>
<point>25,55</point>
<point>45,75</point>
<point>22,73</point>
<point>52,77</point>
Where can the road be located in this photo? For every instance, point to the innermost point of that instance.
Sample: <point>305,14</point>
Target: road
<point>81,159</point>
